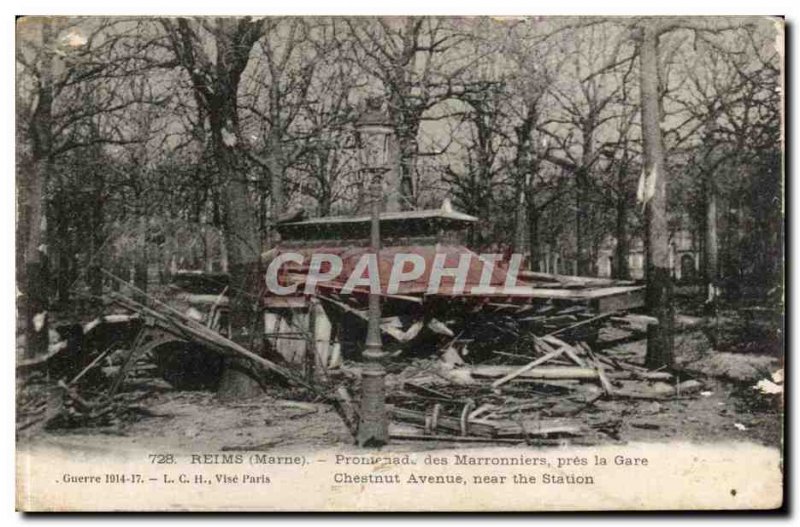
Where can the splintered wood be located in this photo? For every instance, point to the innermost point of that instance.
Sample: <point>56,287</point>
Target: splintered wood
<point>544,401</point>
<point>500,372</point>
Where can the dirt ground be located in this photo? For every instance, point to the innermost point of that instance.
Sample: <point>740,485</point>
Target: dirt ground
<point>197,421</point>
<point>727,409</point>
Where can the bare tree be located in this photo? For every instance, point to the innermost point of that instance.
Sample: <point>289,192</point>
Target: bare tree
<point>729,102</point>
<point>585,95</point>
<point>418,61</point>
<point>659,285</point>
<point>62,64</point>
<point>215,84</point>
<point>275,95</point>
<point>328,160</point>
<point>484,118</point>
<point>534,66</point>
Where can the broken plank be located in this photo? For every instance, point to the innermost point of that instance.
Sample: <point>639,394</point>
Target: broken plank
<point>91,365</point>
<point>569,351</point>
<point>482,409</point>
<point>538,427</point>
<point>582,323</point>
<point>447,423</point>
<point>197,332</point>
<point>658,392</point>
<point>516,373</point>
<point>346,409</point>
<point>521,407</point>
<point>604,382</point>
<point>424,390</point>
<point>555,372</point>
<point>455,439</point>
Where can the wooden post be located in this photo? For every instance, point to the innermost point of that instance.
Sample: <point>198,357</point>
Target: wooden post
<point>322,334</point>
<point>336,355</point>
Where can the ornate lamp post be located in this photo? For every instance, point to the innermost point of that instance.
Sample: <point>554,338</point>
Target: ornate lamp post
<point>373,133</point>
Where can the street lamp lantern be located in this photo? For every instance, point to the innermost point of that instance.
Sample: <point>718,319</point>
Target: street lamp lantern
<point>374,132</point>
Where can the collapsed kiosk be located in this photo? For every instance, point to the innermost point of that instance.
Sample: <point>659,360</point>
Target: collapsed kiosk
<point>329,325</point>
<point>514,363</point>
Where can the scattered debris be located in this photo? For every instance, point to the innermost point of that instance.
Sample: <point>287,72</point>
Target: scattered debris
<point>539,371</point>
<point>768,387</point>
<point>98,399</point>
<point>531,402</point>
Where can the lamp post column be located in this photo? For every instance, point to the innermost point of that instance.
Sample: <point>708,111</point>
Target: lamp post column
<point>373,427</point>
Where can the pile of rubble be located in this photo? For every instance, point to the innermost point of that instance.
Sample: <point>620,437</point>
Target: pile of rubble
<point>462,370</point>
<point>547,395</point>
<point>99,373</point>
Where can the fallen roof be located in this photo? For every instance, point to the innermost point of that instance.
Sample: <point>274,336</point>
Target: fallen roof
<point>430,214</point>
<point>606,294</point>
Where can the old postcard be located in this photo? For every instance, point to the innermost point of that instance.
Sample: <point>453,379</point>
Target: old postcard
<point>400,263</point>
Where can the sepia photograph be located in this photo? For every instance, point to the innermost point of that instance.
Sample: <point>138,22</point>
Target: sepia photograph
<point>399,263</point>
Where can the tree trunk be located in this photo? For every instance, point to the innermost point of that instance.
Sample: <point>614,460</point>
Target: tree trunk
<point>208,248</point>
<point>216,86</point>
<point>242,239</point>
<point>407,153</point>
<point>524,171</point>
<point>711,263</point>
<point>393,199</point>
<point>520,220</point>
<point>659,285</point>
<point>582,206</point>
<point>64,256</point>
<point>533,232</point>
<point>275,162</point>
<point>243,249</point>
<point>36,277</point>
<point>95,263</point>
<point>621,269</point>
<point>580,221</point>
<point>140,262</point>
<point>118,268</point>
<point>36,305</point>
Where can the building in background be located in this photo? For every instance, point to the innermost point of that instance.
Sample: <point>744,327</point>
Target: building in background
<point>684,254</point>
